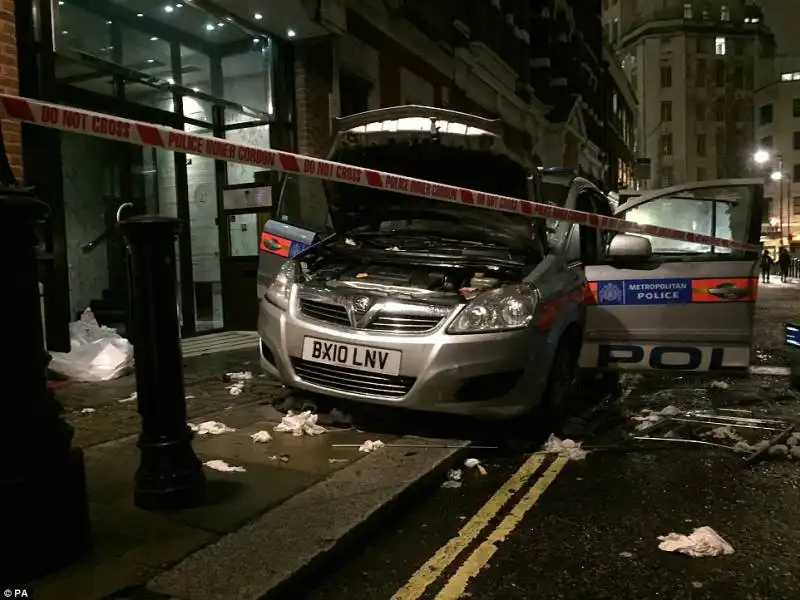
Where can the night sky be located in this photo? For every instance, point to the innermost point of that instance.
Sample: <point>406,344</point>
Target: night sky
<point>783,16</point>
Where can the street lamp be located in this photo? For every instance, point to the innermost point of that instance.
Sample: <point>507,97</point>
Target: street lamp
<point>776,176</point>
<point>761,157</point>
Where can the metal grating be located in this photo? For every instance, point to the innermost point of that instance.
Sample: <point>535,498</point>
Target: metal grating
<point>351,380</point>
<point>321,311</point>
<point>404,323</point>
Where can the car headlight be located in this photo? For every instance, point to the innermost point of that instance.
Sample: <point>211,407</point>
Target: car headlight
<point>280,289</point>
<point>498,310</point>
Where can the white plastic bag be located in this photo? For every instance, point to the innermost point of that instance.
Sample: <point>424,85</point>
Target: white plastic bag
<point>98,353</point>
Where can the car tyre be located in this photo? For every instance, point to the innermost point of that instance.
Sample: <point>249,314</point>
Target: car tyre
<point>562,382</point>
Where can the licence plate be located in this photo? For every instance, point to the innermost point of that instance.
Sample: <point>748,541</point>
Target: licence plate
<point>362,358</point>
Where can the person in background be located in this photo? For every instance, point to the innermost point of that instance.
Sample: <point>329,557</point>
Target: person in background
<point>766,265</point>
<point>784,260</point>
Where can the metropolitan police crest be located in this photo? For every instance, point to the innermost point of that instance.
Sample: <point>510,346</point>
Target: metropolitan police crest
<point>610,293</point>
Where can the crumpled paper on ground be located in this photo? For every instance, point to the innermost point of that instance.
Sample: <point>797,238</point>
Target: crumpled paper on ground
<point>210,427</point>
<point>703,541</point>
<point>474,463</point>
<point>261,437</point>
<point>569,448</point>
<point>371,446</point>
<point>221,465</point>
<point>648,417</point>
<point>238,380</point>
<point>453,479</point>
<point>299,424</point>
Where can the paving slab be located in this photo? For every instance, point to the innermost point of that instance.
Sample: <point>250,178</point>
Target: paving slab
<point>268,556</point>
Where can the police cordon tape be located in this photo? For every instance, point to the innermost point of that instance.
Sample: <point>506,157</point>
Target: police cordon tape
<point>107,126</point>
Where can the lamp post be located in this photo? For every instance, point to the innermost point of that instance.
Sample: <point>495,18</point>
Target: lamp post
<point>762,157</point>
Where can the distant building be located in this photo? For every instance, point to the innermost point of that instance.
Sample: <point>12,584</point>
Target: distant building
<point>692,67</point>
<point>777,100</point>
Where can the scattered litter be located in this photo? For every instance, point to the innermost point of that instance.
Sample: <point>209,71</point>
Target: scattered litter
<point>284,458</point>
<point>725,432</point>
<point>670,411</point>
<point>298,424</point>
<point>239,376</point>
<point>569,448</point>
<point>210,427</point>
<point>703,541</point>
<point>334,461</point>
<point>720,385</point>
<point>88,411</point>
<point>190,397</point>
<point>474,463</point>
<point>131,398</point>
<point>626,554</point>
<point>221,465</point>
<point>371,446</point>
<point>648,417</point>
<point>453,479</point>
<point>697,585</point>
<point>238,380</point>
<point>778,450</point>
<point>273,457</point>
<point>794,439</point>
<point>97,353</point>
<point>261,437</point>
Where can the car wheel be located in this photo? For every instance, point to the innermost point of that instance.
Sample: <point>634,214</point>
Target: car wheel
<point>562,382</point>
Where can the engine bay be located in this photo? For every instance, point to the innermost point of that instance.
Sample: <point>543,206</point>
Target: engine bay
<point>389,278</point>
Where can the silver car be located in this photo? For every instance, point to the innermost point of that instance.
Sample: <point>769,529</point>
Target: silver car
<point>436,306</point>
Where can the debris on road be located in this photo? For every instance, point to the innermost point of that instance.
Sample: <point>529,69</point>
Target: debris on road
<point>703,541</point>
<point>210,428</point>
<point>371,446</point>
<point>221,465</point>
<point>238,380</point>
<point>474,463</point>
<point>299,424</point>
<point>453,479</point>
<point>334,461</point>
<point>261,437</point>
<point>720,385</point>
<point>744,433</point>
<point>648,417</point>
<point>626,554</point>
<point>88,411</point>
<point>569,448</point>
<point>131,398</point>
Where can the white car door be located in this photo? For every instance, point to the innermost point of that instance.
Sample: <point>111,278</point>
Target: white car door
<point>687,306</point>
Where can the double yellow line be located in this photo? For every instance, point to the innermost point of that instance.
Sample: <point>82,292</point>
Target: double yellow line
<point>457,584</point>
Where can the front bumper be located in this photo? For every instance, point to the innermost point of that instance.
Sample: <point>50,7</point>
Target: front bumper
<point>491,375</point>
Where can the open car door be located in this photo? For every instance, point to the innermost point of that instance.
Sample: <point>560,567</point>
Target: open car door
<point>676,305</point>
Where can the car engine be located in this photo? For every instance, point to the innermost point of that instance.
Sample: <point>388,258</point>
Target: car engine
<point>415,281</point>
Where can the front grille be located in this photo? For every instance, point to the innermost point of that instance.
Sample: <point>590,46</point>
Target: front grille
<point>404,323</point>
<point>321,311</point>
<point>352,380</point>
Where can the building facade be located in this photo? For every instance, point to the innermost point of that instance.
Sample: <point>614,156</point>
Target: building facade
<point>276,79</point>
<point>692,66</point>
<point>778,135</point>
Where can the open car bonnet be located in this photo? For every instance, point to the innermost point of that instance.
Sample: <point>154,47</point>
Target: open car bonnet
<point>436,145</point>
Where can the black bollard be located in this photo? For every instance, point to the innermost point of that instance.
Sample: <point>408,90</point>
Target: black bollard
<point>44,516</point>
<point>170,476</point>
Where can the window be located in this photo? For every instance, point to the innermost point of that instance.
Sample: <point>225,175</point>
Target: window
<point>738,77</point>
<point>667,177</point>
<point>719,109</point>
<point>701,174</point>
<point>720,46</point>
<point>724,13</point>
<point>790,76</point>
<point>666,144</point>
<point>701,72</point>
<point>796,107</point>
<point>701,144</point>
<point>700,110</point>
<point>766,142</point>
<point>796,140</point>
<point>688,13</point>
<point>796,205</point>
<point>720,212</point>
<point>796,174</point>
<point>666,76</point>
<point>666,111</point>
<point>719,73</point>
<point>765,114</point>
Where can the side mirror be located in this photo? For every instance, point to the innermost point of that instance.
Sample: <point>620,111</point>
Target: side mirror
<point>629,247</point>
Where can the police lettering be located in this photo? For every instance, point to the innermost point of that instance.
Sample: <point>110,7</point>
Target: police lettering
<point>657,296</point>
<point>668,358</point>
